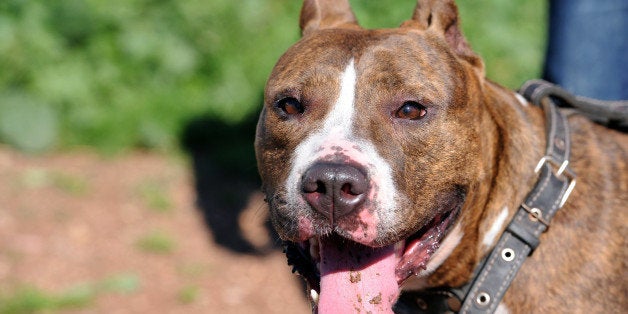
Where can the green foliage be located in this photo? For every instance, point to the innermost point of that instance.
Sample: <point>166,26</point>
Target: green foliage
<point>131,73</point>
<point>509,35</point>
<point>26,123</point>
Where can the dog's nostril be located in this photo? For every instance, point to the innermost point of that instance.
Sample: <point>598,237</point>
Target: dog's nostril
<point>313,186</point>
<point>346,188</point>
<point>334,189</point>
<point>320,187</point>
<point>310,186</point>
<point>350,190</point>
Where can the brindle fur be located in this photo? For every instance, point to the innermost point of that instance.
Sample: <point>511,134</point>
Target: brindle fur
<point>478,137</point>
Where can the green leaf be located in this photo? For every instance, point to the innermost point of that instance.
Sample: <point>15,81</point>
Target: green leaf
<point>27,123</point>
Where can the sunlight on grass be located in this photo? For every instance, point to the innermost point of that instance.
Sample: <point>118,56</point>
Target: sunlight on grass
<point>124,283</point>
<point>191,270</point>
<point>27,299</point>
<point>35,178</point>
<point>33,300</point>
<point>71,184</point>
<point>188,294</point>
<point>155,196</point>
<point>157,242</point>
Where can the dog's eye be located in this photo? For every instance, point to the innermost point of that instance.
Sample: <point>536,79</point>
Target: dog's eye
<point>290,106</point>
<point>411,110</point>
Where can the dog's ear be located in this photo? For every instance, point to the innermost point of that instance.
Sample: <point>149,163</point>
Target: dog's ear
<point>321,14</point>
<point>442,16</point>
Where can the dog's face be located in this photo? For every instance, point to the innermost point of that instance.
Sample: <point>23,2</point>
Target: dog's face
<point>369,141</point>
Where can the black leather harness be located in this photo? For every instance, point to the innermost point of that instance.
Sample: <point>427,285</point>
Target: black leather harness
<point>496,272</point>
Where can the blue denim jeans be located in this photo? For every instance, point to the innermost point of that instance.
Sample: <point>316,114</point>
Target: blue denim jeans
<point>587,51</point>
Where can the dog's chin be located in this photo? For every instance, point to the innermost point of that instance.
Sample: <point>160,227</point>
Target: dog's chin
<point>332,265</point>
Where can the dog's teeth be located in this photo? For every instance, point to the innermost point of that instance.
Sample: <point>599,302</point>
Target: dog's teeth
<point>315,249</point>
<point>314,296</point>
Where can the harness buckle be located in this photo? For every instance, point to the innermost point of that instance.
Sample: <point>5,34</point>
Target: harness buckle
<point>559,170</point>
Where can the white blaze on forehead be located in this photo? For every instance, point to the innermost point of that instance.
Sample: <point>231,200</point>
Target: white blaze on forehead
<point>337,131</point>
<point>340,118</point>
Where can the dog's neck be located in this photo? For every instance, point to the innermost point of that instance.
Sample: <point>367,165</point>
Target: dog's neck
<point>502,185</point>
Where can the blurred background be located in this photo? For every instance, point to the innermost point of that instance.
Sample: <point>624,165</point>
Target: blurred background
<point>127,176</point>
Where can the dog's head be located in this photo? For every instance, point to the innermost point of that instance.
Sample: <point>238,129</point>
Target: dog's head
<point>368,145</point>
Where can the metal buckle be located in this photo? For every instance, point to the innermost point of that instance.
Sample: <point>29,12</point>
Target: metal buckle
<point>563,170</point>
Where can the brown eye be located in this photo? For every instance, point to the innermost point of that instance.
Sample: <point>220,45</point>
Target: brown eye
<point>411,110</point>
<point>289,106</point>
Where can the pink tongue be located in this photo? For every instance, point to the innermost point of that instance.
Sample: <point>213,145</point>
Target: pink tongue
<point>356,278</point>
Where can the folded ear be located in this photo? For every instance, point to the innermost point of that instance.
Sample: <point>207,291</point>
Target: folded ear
<point>442,16</point>
<point>321,14</point>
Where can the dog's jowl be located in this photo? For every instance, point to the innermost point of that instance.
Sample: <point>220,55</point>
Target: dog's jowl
<point>391,164</point>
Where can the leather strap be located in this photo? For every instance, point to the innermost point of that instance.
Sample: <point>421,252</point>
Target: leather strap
<point>521,237</point>
<point>495,274</point>
<point>612,113</point>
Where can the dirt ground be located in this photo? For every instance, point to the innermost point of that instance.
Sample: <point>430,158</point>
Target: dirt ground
<point>123,235</point>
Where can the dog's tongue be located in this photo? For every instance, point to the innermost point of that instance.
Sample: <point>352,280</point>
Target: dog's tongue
<point>356,278</point>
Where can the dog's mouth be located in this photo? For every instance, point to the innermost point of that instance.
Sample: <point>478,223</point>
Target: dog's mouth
<point>342,274</point>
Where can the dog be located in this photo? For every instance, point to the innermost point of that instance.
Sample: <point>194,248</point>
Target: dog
<point>391,164</point>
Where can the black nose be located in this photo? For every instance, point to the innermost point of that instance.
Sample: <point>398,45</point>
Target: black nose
<point>334,190</point>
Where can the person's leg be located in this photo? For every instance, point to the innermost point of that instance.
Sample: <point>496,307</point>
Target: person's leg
<point>587,50</point>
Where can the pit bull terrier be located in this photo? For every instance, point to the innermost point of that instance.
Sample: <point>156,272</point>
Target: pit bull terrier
<point>390,163</point>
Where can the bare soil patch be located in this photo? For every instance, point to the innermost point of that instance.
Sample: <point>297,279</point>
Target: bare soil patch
<point>125,235</point>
